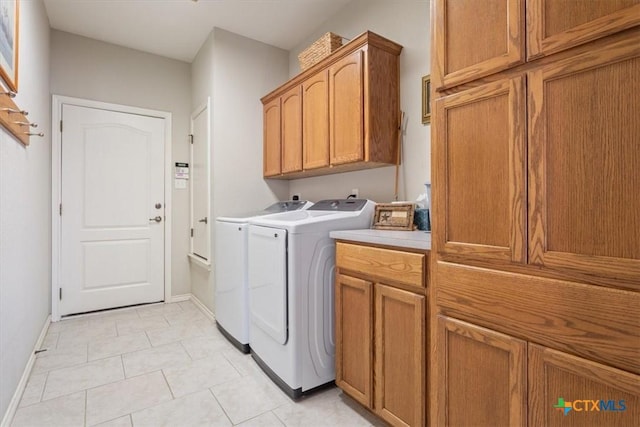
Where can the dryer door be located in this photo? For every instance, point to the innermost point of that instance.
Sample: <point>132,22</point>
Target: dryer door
<point>268,280</point>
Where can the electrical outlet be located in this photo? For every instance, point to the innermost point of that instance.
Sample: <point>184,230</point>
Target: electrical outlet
<point>296,196</point>
<point>355,192</point>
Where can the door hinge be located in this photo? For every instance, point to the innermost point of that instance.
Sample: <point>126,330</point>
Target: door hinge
<point>60,294</point>
<point>192,232</point>
<point>60,126</point>
<point>60,209</point>
<point>191,138</point>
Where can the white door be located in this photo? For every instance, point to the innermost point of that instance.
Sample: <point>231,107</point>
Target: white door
<point>268,281</point>
<point>200,221</point>
<point>112,222</point>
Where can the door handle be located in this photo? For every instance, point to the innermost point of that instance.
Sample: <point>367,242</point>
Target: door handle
<point>203,220</point>
<point>156,219</point>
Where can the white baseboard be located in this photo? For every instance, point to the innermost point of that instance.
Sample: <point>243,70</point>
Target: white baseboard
<point>15,400</point>
<point>203,307</point>
<point>179,298</point>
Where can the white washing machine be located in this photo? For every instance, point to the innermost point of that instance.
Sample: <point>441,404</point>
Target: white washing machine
<point>232,294</point>
<point>291,276</point>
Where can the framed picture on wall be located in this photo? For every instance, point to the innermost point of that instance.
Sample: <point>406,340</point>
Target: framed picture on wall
<point>426,99</point>
<point>9,42</point>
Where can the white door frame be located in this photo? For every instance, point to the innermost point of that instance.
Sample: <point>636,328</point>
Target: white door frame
<point>206,106</point>
<point>56,178</point>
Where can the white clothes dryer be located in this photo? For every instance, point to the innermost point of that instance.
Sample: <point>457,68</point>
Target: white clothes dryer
<point>232,293</point>
<point>291,276</point>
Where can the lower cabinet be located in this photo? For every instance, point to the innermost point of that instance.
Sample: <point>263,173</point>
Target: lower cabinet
<point>489,378</point>
<point>381,340</point>
<point>565,390</point>
<point>483,382</point>
<point>399,370</point>
<point>354,337</point>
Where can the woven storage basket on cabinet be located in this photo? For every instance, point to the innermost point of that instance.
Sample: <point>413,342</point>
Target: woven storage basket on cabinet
<point>320,49</point>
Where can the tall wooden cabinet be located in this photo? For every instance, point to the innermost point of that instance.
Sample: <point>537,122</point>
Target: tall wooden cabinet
<point>342,114</point>
<point>536,269</point>
<point>485,376</point>
<point>482,135</point>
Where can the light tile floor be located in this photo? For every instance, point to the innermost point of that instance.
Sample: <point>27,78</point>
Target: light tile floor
<point>162,365</point>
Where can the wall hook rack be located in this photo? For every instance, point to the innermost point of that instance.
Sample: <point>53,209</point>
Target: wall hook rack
<point>15,111</point>
<point>33,125</point>
<point>14,119</point>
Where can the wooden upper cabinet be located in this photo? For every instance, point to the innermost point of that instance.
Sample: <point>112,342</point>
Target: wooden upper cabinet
<point>555,25</point>
<point>315,121</point>
<point>354,337</point>
<point>473,40</point>
<point>342,114</point>
<point>481,377</point>
<point>565,390</point>
<point>271,138</point>
<point>346,110</point>
<point>481,172</point>
<point>291,119</point>
<point>584,174</point>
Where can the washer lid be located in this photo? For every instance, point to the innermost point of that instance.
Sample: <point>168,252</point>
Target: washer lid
<point>278,207</point>
<point>344,205</point>
<point>286,206</point>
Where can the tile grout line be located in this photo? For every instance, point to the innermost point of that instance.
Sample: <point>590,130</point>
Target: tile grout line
<point>221,407</point>
<point>173,396</point>
<point>124,372</point>
<point>46,378</point>
<point>69,393</point>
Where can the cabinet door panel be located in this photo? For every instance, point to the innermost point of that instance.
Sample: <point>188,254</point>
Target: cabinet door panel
<point>585,165</point>
<point>315,121</point>
<point>481,172</point>
<point>292,130</point>
<point>481,377</point>
<point>565,390</point>
<point>271,147</point>
<point>473,42</point>
<point>555,25</point>
<point>346,110</point>
<point>400,356</point>
<point>354,337</point>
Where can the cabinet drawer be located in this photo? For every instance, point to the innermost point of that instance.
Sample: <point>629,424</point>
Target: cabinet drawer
<point>396,266</point>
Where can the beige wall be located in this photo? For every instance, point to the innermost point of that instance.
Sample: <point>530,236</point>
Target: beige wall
<point>90,69</point>
<point>235,72</point>
<point>406,22</point>
<point>25,209</point>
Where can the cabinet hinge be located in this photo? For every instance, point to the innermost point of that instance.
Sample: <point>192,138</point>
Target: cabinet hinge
<point>192,232</point>
<point>191,138</point>
<point>60,294</point>
<point>60,209</point>
<point>60,126</point>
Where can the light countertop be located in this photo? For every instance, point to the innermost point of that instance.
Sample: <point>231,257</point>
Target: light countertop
<point>403,239</point>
